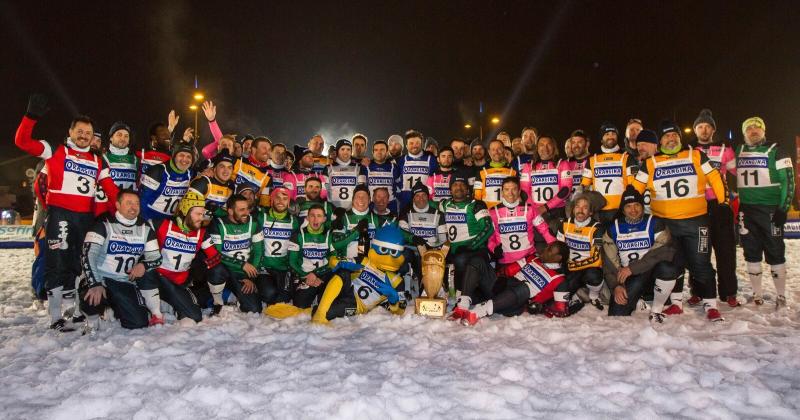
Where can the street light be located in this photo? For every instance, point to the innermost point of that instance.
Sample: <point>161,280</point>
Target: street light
<point>687,130</point>
<point>193,107</point>
<point>467,126</point>
<point>495,120</point>
<point>198,96</point>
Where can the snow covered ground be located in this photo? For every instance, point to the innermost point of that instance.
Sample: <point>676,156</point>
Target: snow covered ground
<point>378,366</point>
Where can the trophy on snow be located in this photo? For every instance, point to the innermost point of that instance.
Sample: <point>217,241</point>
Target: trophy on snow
<point>433,268</point>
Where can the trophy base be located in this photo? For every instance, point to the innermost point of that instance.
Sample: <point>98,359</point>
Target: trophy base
<point>431,307</point>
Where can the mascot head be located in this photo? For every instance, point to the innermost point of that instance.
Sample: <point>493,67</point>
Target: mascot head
<point>386,249</point>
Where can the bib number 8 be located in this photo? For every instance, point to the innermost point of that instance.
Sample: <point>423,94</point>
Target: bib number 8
<point>344,194</point>
<point>514,243</point>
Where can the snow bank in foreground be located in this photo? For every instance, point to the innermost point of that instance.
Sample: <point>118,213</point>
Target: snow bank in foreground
<point>377,366</point>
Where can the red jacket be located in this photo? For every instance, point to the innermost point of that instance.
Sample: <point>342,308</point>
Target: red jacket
<point>72,174</point>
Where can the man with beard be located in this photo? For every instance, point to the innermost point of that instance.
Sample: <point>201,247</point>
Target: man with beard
<point>548,181</point>
<point>478,154</point>
<point>277,226</point>
<point>160,144</point>
<point>383,173</point>
<point>677,178</point>
<point>460,153</point>
<point>646,148</point>
<point>252,170</point>
<point>238,238</point>
<point>439,183</point>
<point>530,137</point>
<point>121,163</point>
<point>578,145</point>
<point>312,190</point>
<point>489,181</point>
<point>352,229</point>
<point>415,166</point>
<point>395,142</point>
<point>295,182</point>
<point>608,171</point>
<point>180,238</point>
<point>164,184</point>
<point>765,178</point>
<point>584,238</point>
<point>723,240</point>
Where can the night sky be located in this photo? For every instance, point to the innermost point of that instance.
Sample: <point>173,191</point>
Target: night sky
<point>288,70</point>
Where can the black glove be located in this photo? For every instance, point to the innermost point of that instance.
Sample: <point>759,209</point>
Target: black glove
<point>339,216</point>
<point>362,226</point>
<point>37,106</point>
<point>418,241</point>
<point>498,252</point>
<point>779,218</point>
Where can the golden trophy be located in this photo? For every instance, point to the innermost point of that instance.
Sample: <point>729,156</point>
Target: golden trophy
<point>433,265</point>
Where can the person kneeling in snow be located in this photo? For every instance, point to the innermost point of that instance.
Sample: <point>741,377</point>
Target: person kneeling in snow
<point>118,250</point>
<point>530,282</point>
<point>638,254</point>
<point>180,238</point>
<point>371,283</point>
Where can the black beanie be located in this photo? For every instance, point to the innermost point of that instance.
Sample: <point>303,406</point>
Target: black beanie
<point>343,142</point>
<point>224,156</point>
<point>631,195</point>
<point>608,127</point>
<point>705,117</point>
<point>419,187</point>
<point>119,125</point>
<point>668,126</point>
<point>361,187</point>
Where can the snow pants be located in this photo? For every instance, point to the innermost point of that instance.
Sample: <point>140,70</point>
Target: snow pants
<point>637,285</point>
<point>248,302</point>
<point>759,236</point>
<point>177,295</point>
<point>123,298</point>
<point>693,245</point>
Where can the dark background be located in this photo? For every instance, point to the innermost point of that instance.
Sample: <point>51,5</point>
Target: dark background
<point>290,69</point>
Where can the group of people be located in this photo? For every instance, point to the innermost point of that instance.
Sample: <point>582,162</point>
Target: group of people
<point>530,224</point>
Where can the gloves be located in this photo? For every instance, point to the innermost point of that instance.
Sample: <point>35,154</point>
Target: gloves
<point>779,218</point>
<point>37,106</point>
<point>347,265</point>
<point>339,216</point>
<point>362,226</point>
<point>497,254</point>
<point>418,241</point>
<point>213,261</point>
<point>385,288</point>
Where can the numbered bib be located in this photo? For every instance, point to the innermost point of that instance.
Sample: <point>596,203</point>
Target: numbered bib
<point>80,176</point>
<point>634,245</point>
<point>415,171</point>
<point>544,185</point>
<point>122,252</point>
<point>674,179</point>
<point>276,238</point>
<point>608,177</point>
<point>170,196</point>
<point>315,254</point>
<point>366,287</point>
<point>752,169</point>
<point>457,229</point>
<point>514,232</point>
<point>178,251</point>
<point>237,245</point>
